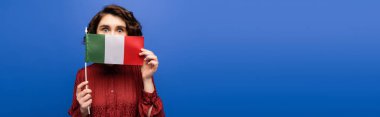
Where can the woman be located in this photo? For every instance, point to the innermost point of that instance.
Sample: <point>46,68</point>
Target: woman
<point>117,90</point>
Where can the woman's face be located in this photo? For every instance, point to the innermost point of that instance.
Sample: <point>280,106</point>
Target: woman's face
<point>111,25</point>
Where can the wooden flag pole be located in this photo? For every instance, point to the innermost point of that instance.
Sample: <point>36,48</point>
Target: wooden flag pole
<point>85,77</point>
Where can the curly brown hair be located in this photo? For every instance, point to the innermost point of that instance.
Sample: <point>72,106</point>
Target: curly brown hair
<point>133,26</point>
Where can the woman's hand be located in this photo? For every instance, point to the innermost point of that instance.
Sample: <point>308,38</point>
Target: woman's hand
<point>150,64</point>
<point>84,98</point>
<point>148,68</point>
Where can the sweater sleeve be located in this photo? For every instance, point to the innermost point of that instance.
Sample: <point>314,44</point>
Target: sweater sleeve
<point>151,105</point>
<point>74,110</point>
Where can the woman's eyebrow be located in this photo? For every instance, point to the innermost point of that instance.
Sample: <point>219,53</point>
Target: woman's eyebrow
<point>121,27</point>
<point>105,26</point>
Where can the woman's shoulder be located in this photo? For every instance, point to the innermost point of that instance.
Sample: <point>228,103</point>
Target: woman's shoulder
<point>91,67</point>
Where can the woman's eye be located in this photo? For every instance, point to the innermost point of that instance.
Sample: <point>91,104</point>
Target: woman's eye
<point>106,30</point>
<point>120,31</point>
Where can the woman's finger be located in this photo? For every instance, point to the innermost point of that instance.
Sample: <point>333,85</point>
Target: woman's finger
<point>145,53</point>
<point>80,86</point>
<point>150,57</point>
<point>86,104</point>
<point>84,92</point>
<point>86,97</point>
<point>154,63</point>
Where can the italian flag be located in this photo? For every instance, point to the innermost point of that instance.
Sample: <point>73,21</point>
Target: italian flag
<point>112,49</point>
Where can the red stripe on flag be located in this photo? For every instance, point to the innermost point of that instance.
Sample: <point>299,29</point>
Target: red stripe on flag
<point>132,48</point>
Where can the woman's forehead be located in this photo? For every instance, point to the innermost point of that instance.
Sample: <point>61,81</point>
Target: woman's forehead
<point>111,21</point>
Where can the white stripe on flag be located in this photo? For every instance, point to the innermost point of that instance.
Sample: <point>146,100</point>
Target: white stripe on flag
<point>114,49</point>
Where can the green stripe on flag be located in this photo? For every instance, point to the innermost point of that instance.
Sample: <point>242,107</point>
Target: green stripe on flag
<point>95,48</point>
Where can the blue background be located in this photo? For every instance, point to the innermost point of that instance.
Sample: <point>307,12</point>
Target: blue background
<point>264,58</point>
